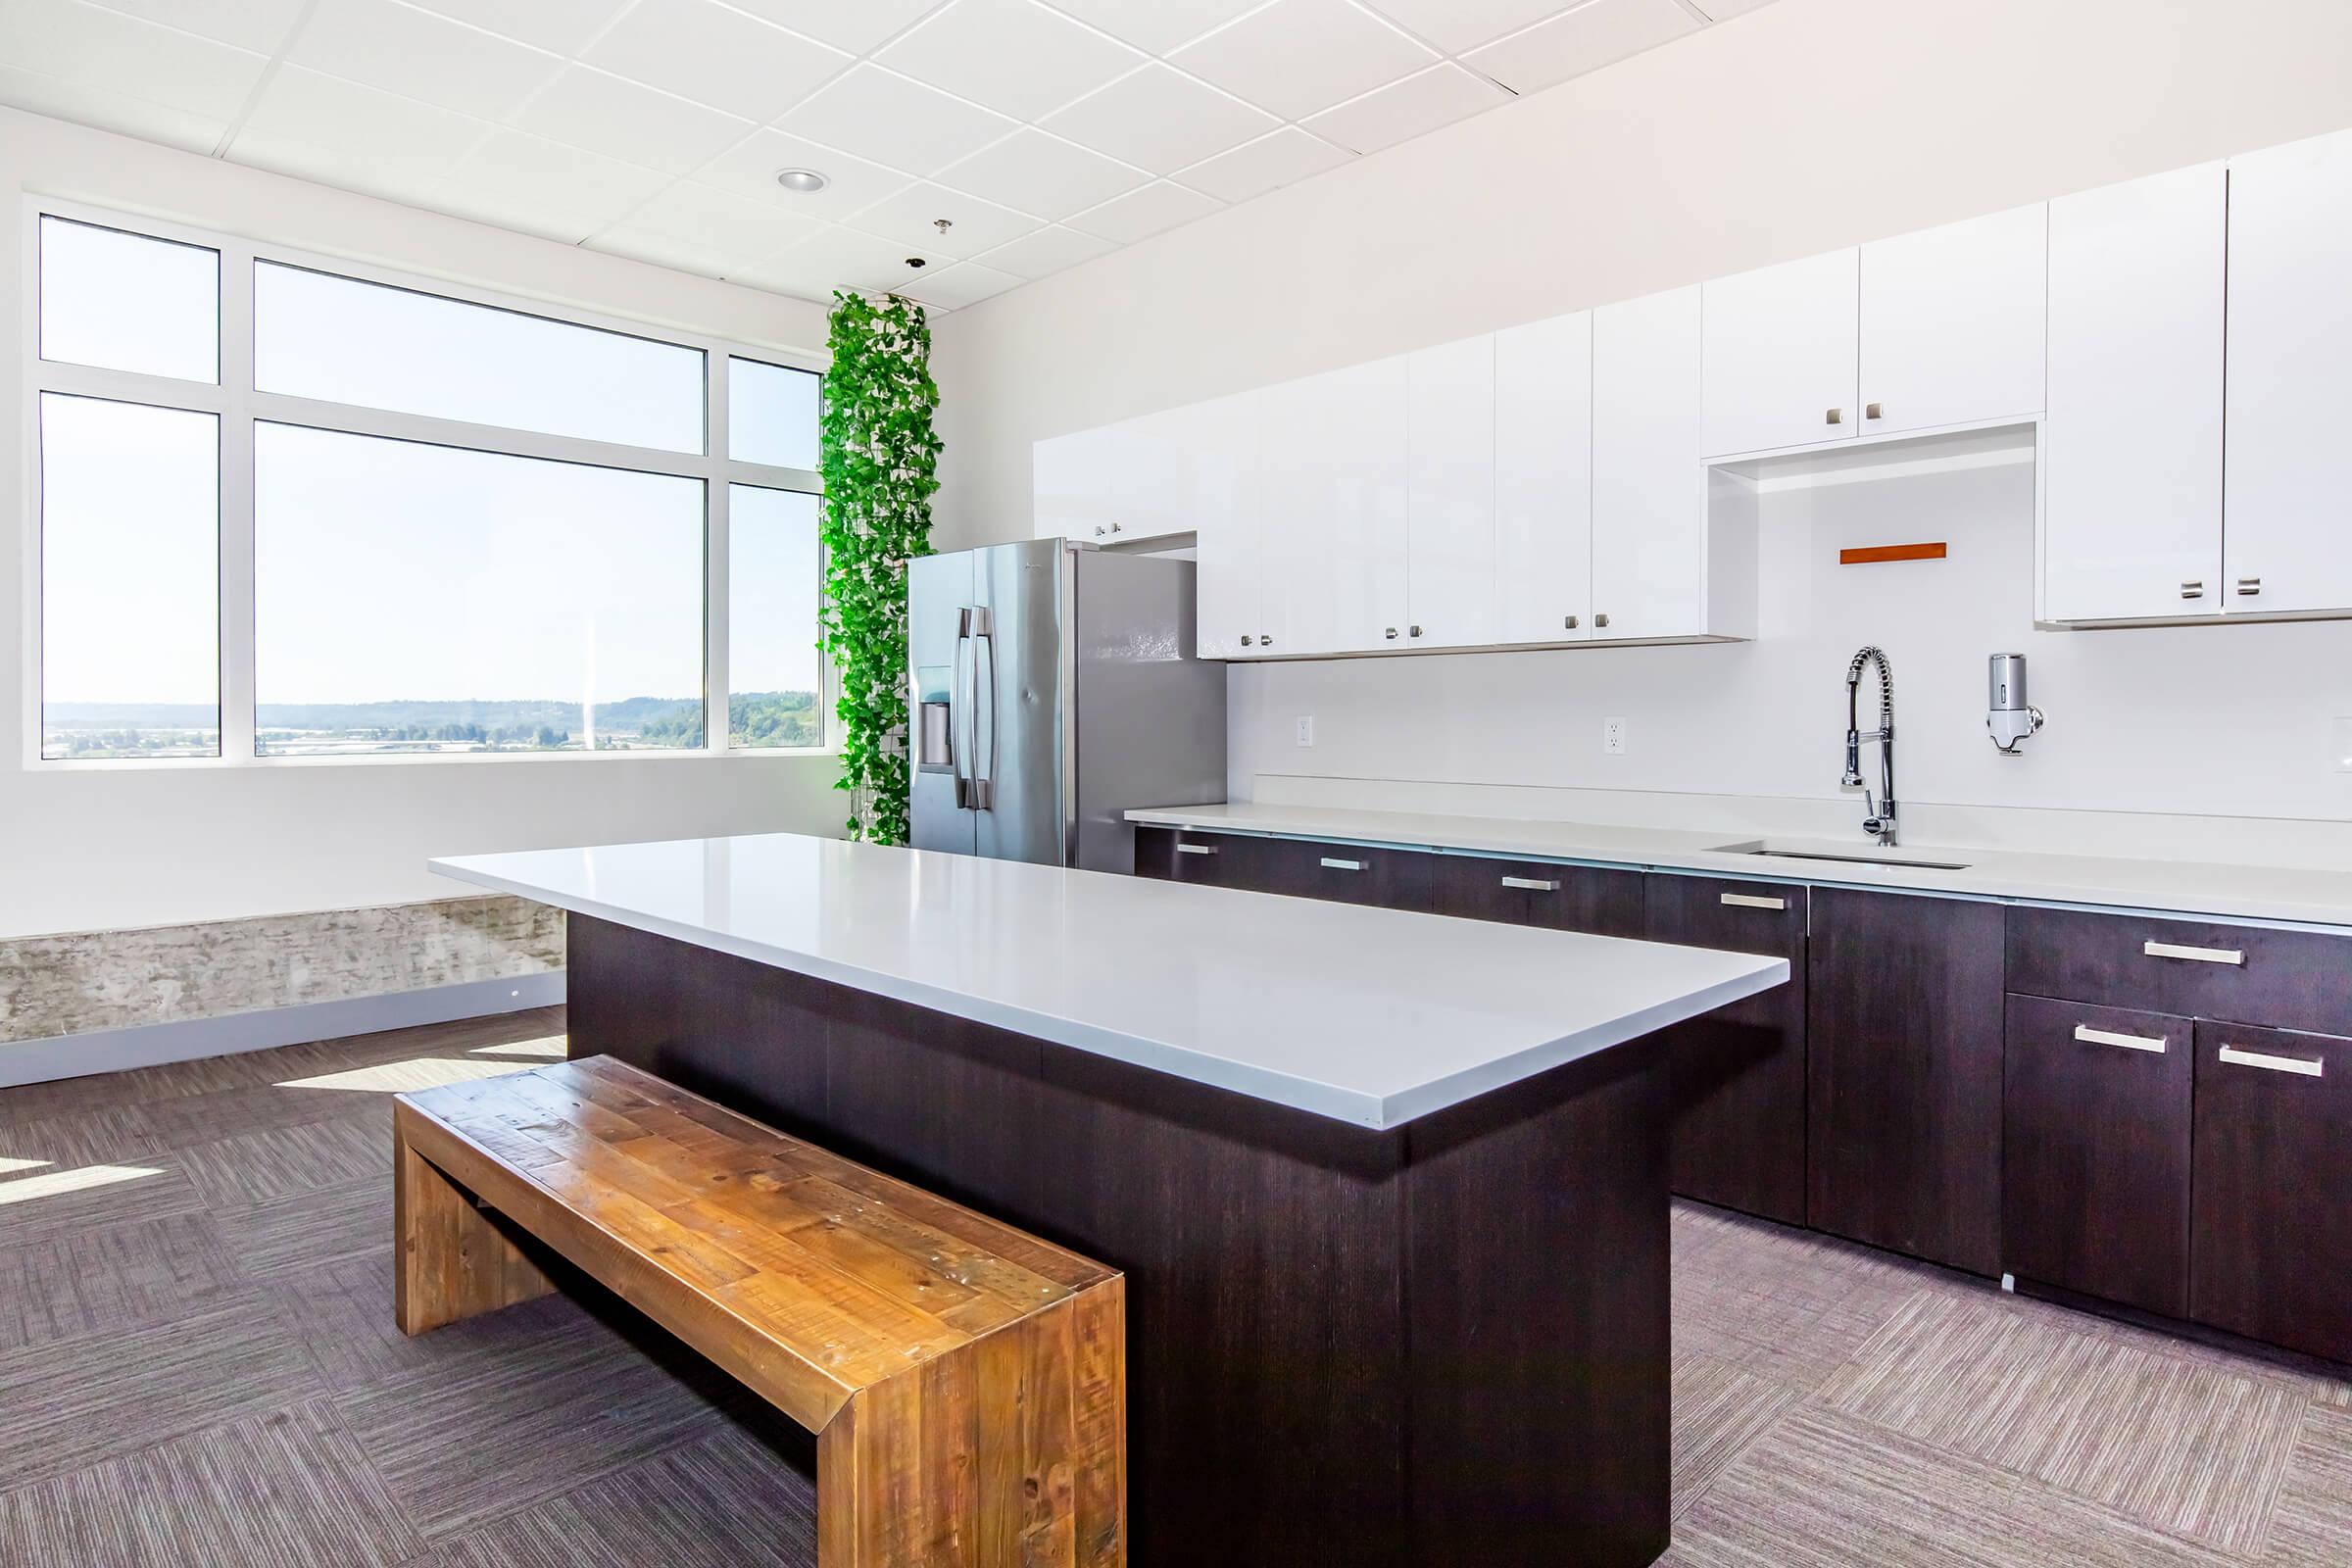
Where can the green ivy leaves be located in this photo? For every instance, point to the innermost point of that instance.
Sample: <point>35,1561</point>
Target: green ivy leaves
<point>880,462</point>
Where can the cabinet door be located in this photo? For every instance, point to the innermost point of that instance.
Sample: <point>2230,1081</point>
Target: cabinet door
<point>1739,1071</point>
<point>2271,1239</point>
<point>1649,489</point>
<point>1543,480</point>
<point>1955,323</point>
<point>1449,497</point>
<point>1602,901</point>
<point>1333,510</point>
<point>1345,873</point>
<point>1781,356</point>
<point>1072,478</point>
<point>2131,446</point>
<point>1903,1040</point>
<point>2094,1151</point>
<point>1229,497</point>
<point>2290,400</point>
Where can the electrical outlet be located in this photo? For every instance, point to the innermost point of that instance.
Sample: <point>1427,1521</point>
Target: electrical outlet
<point>1612,736</point>
<point>1306,731</point>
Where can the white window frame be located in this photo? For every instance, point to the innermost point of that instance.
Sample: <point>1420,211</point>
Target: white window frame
<point>239,406</point>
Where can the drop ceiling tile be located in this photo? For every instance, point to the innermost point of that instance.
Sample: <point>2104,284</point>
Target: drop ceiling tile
<point>1298,56</point>
<point>1012,55</point>
<point>715,55</point>
<point>1287,156</point>
<point>1594,35</point>
<point>974,225</point>
<point>1455,25</point>
<point>1046,252</point>
<point>1157,27</point>
<point>532,168</point>
<point>337,132</point>
<point>1404,110</point>
<point>611,115</point>
<point>719,231</point>
<point>857,25</point>
<point>562,25</point>
<point>750,169</point>
<point>1725,10</point>
<point>888,118</point>
<point>1141,214</point>
<point>959,286</point>
<point>840,258</point>
<point>119,54</point>
<point>86,105</point>
<point>258,24</point>
<point>1031,172</point>
<point>379,43</point>
<point>1160,120</point>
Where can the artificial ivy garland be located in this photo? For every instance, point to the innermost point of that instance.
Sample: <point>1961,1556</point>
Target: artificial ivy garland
<point>880,462</point>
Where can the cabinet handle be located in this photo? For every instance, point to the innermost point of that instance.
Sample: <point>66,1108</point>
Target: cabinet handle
<point>2108,1037</point>
<point>2192,590</point>
<point>1871,411</point>
<point>2269,1063</point>
<point>1117,527</point>
<point>2173,950</point>
<point>1568,622</point>
<point>1530,884</point>
<point>1753,901</point>
<point>1416,630</point>
<point>2249,586</point>
<point>1267,641</point>
<point>1342,865</point>
<point>1248,641</point>
<point>1837,416</point>
<point>1392,634</point>
<point>1195,848</point>
<point>1600,620</point>
<point>1097,530</point>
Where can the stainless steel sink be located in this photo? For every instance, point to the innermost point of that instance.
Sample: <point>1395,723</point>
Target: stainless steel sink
<point>1904,861</point>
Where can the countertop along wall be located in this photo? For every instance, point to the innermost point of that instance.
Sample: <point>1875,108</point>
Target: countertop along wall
<point>1802,126</point>
<point>143,845</point>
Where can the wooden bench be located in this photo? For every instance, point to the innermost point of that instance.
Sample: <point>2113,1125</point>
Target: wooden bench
<point>967,1382</point>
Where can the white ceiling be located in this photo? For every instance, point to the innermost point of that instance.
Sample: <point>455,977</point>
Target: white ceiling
<point>1047,132</point>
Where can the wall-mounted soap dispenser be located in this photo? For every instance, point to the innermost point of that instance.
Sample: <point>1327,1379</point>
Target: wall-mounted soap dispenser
<point>2008,716</point>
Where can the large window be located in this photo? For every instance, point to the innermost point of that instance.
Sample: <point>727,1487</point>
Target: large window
<point>400,518</point>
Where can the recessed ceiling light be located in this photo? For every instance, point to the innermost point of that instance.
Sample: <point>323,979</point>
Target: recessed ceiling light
<point>808,181</point>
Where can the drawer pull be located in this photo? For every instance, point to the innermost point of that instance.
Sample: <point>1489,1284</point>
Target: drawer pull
<point>2173,950</point>
<point>2108,1037</point>
<point>1753,901</point>
<point>1195,848</point>
<point>2269,1063</point>
<point>1530,884</point>
<point>1334,865</point>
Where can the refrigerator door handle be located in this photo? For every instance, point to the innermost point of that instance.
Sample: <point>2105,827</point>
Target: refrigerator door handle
<point>984,636</point>
<point>961,702</point>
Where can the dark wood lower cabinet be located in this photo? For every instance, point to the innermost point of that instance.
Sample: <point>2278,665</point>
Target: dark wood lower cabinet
<point>1738,1073</point>
<point>2271,1243</point>
<point>1345,873</point>
<point>1602,901</point>
<point>1904,1070</point>
<point>2095,1151</point>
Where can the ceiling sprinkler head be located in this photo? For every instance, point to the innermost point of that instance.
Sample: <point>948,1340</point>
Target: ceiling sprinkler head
<point>917,262</point>
<point>942,224</point>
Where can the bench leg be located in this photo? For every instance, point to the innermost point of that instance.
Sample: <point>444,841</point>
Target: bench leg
<point>1008,1453</point>
<point>453,1263</point>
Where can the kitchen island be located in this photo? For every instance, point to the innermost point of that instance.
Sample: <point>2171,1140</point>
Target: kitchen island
<point>1389,1188</point>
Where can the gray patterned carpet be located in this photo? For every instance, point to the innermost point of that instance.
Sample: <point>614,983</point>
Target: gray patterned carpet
<point>198,1369</point>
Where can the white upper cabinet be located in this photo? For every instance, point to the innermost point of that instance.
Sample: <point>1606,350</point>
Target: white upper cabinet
<point>1954,324</point>
<point>2131,444</point>
<point>1227,498</point>
<point>1449,497</point>
<point>1073,476</point>
<point>1543,480</point>
<point>1782,356</point>
<point>1649,514</point>
<point>2288,523</point>
<point>1334,505</point>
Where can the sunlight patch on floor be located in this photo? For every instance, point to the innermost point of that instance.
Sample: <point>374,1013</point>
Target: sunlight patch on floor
<point>554,1047</point>
<point>25,1189</point>
<point>10,1166</point>
<point>406,1077</point>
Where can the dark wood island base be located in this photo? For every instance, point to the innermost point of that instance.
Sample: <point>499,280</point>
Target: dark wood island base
<point>1442,1345</point>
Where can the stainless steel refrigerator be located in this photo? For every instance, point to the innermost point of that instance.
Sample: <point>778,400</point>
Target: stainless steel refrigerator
<point>1055,687</point>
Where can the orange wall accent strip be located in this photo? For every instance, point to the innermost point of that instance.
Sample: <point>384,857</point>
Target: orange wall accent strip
<point>1875,553</point>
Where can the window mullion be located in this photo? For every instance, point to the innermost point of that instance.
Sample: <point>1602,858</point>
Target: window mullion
<point>239,682</point>
<point>718,552</point>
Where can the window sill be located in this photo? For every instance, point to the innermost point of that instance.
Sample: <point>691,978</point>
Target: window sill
<point>213,765</point>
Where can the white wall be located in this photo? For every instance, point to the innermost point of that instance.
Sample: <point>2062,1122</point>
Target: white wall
<point>143,845</point>
<point>1806,125</point>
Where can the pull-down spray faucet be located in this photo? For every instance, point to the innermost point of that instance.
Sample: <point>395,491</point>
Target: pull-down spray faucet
<point>1879,823</point>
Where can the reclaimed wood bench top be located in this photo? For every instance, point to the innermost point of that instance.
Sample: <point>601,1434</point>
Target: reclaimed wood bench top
<point>808,1276</point>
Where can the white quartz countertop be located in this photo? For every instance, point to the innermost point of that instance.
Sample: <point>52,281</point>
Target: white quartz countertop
<point>2187,888</point>
<point>1369,1017</point>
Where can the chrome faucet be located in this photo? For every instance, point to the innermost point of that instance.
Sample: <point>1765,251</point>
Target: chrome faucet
<point>1879,823</point>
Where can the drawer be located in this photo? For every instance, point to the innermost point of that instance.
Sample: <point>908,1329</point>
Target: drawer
<point>2189,968</point>
<point>1766,918</point>
<point>1345,873</point>
<point>1560,898</point>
